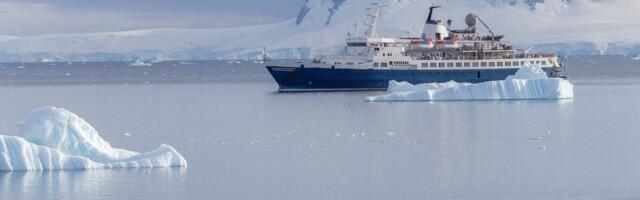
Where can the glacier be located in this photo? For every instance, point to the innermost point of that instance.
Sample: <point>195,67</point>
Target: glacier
<point>529,83</point>
<point>56,139</point>
<point>577,27</point>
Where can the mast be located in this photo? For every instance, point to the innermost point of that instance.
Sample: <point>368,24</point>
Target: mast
<point>373,20</point>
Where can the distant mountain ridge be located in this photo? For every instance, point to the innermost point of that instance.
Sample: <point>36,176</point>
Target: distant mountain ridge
<point>567,27</point>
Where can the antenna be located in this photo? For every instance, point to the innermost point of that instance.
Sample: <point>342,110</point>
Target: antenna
<point>355,29</point>
<point>264,54</point>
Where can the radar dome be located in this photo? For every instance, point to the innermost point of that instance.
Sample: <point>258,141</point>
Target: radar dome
<point>471,20</point>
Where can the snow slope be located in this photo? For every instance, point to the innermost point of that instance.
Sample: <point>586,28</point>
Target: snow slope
<point>56,139</point>
<point>530,82</point>
<point>569,27</point>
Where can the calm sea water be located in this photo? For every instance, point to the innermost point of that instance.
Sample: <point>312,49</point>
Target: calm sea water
<point>245,141</point>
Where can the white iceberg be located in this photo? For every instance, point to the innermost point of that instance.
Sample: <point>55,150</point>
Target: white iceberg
<point>529,82</point>
<point>140,63</point>
<point>56,139</point>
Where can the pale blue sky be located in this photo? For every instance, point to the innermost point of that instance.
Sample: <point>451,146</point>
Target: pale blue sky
<point>28,17</point>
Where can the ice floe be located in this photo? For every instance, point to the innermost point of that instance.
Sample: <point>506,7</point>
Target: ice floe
<point>529,82</point>
<point>56,139</point>
<point>140,63</point>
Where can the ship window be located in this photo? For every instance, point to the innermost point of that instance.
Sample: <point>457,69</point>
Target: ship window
<point>544,62</point>
<point>390,54</point>
<point>432,65</point>
<point>508,64</point>
<point>440,64</point>
<point>383,64</point>
<point>467,64</point>
<point>375,64</point>
<point>500,64</point>
<point>450,64</point>
<point>484,64</point>
<point>516,63</point>
<point>386,45</point>
<point>537,62</point>
<point>492,64</point>
<point>476,64</point>
<point>458,64</point>
<point>425,64</point>
<point>349,63</point>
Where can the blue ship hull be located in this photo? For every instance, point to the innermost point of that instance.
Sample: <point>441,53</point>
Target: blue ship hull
<point>327,79</point>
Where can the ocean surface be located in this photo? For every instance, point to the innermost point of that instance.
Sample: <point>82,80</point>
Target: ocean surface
<point>243,140</point>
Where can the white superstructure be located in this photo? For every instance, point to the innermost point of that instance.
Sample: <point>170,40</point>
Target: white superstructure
<point>437,48</point>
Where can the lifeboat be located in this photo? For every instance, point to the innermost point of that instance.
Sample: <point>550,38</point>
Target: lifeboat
<point>447,43</point>
<point>422,44</point>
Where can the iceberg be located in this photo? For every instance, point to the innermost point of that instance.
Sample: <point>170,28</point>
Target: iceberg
<point>56,139</point>
<point>529,83</point>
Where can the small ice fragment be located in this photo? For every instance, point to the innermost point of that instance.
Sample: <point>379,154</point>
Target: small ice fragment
<point>127,134</point>
<point>391,133</point>
<point>548,131</point>
<point>542,148</point>
<point>337,134</point>
<point>536,138</point>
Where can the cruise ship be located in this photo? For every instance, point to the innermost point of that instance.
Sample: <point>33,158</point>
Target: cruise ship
<point>439,54</point>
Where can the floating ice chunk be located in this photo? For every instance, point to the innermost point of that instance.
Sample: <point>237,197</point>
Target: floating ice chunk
<point>56,139</point>
<point>530,82</point>
<point>140,63</point>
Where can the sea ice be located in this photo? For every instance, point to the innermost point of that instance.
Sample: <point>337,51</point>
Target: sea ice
<point>529,82</point>
<point>56,139</point>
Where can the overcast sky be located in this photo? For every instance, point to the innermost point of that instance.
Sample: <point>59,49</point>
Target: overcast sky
<point>29,17</point>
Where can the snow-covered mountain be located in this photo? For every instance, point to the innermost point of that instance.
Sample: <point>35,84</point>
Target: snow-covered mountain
<point>563,26</point>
